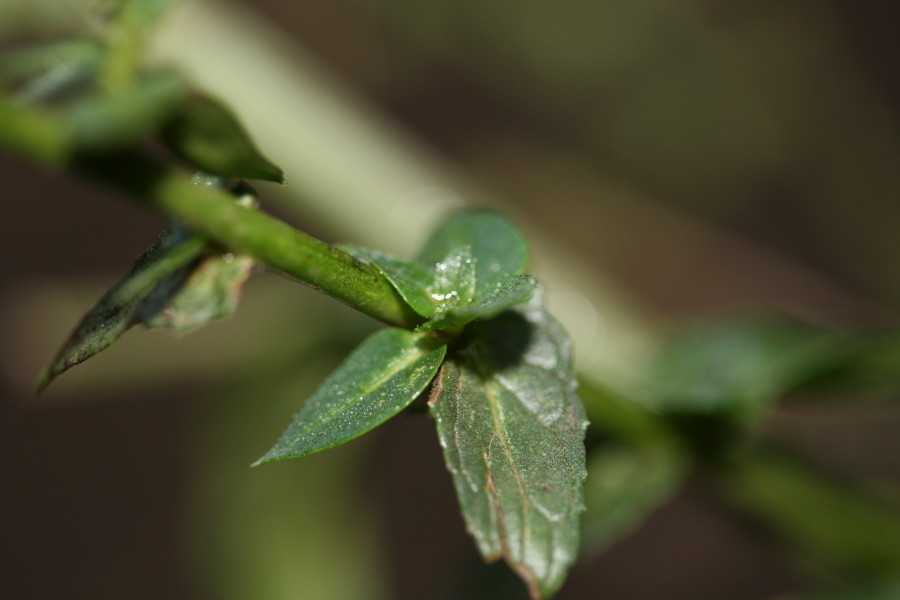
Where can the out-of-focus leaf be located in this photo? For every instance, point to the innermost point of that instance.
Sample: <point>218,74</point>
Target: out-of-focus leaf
<point>626,483</point>
<point>32,131</point>
<point>139,15</point>
<point>121,306</point>
<point>870,590</point>
<point>494,245</point>
<point>377,381</point>
<point>209,136</point>
<point>45,70</point>
<point>512,292</point>
<point>103,122</point>
<point>210,292</point>
<point>635,463</point>
<point>512,428</point>
<point>411,280</point>
<point>739,368</point>
<point>130,26</point>
<point>828,524</point>
<point>866,363</point>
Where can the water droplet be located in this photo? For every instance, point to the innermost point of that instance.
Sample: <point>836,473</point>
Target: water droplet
<point>205,179</point>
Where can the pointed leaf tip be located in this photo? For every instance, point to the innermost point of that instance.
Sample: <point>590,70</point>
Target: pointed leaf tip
<point>209,136</point>
<point>378,380</point>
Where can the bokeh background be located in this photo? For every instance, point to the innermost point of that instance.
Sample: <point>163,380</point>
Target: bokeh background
<point>680,160</point>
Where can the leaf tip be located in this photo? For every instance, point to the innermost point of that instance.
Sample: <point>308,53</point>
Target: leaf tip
<point>265,458</point>
<point>273,174</point>
<point>45,379</point>
<point>268,457</point>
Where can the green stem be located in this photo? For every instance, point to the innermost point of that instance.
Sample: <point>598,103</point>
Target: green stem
<point>32,133</point>
<point>279,246</point>
<point>215,215</point>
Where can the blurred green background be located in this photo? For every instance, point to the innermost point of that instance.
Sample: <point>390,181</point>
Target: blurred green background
<point>674,161</point>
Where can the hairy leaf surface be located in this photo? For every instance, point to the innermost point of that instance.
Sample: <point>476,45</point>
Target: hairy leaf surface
<point>378,380</point>
<point>494,245</point>
<point>512,429</point>
<point>478,257</point>
<point>512,292</point>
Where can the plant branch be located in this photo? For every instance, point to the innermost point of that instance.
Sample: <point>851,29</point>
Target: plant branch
<point>213,214</point>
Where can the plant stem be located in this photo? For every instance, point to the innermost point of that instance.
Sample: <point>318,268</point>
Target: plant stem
<point>215,215</point>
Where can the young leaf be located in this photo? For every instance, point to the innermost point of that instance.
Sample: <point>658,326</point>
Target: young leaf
<point>411,280</point>
<point>210,292</point>
<point>512,292</point>
<point>512,430</point>
<point>478,257</point>
<point>120,307</point>
<point>627,482</point>
<point>635,463</point>
<point>210,137</point>
<point>844,530</point>
<point>495,246</point>
<point>171,285</point>
<point>377,381</point>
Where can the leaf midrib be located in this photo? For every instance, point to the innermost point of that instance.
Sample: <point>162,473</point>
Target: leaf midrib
<point>500,435</point>
<point>414,354</point>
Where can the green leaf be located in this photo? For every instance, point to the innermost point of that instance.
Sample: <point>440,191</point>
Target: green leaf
<point>469,269</point>
<point>126,36</point>
<point>104,122</point>
<point>635,463</point>
<point>171,285</point>
<point>141,15</point>
<point>739,367</point>
<point>512,292</point>
<point>478,257</point>
<point>831,524</point>
<point>888,589</point>
<point>411,280</point>
<point>211,291</point>
<point>120,308</point>
<point>867,363</point>
<point>454,279</point>
<point>377,381</point>
<point>210,137</point>
<point>626,483</point>
<point>512,428</point>
<point>46,70</point>
<point>494,245</point>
